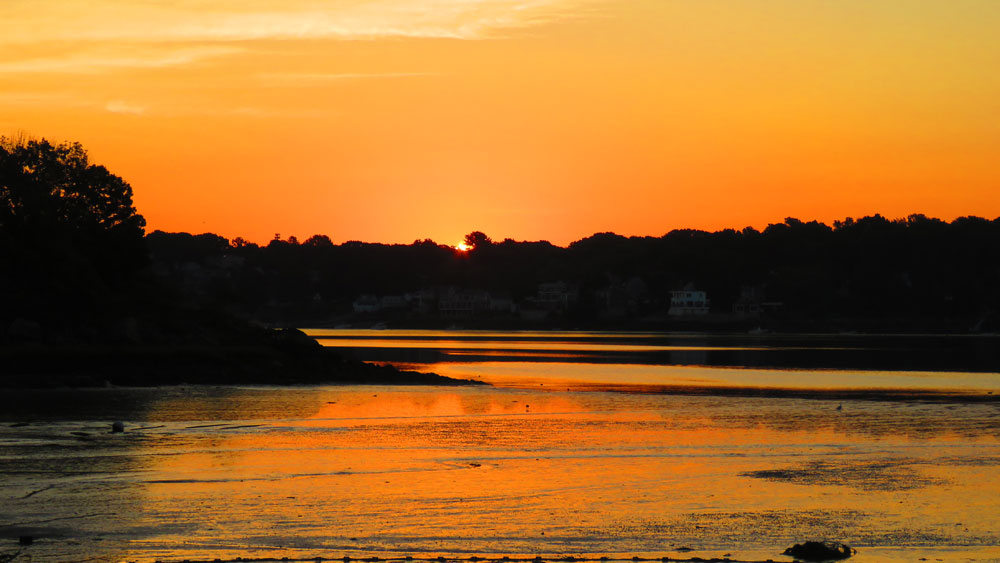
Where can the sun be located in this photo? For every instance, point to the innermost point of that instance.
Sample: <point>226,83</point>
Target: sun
<point>462,247</point>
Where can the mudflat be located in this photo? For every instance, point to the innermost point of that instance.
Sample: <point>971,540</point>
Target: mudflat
<point>376,471</point>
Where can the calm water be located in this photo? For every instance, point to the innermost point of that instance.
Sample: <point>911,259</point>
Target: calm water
<point>204,473</point>
<point>648,361</point>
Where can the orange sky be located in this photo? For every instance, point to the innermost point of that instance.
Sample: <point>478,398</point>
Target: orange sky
<point>393,120</point>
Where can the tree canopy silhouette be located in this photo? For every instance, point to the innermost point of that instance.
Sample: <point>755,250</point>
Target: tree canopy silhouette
<point>68,229</point>
<point>50,187</point>
<point>870,273</point>
<point>477,240</point>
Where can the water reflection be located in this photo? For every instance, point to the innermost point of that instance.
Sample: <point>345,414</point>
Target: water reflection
<point>609,360</point>
<point>589,376</point>
<point>203,473</point>
<point>355,408</point>
<point>857,352</point>
<point>307,472</point>
<point>512,471</point>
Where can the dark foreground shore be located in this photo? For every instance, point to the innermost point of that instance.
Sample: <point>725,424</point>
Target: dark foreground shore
<point>4,557</point>
<point>473,559</point>
<point>277,357</point>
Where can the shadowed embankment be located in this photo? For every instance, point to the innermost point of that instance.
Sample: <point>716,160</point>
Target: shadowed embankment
<point>262,357</point>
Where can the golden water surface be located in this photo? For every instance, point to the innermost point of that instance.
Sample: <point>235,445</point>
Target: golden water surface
<point>204,473</point>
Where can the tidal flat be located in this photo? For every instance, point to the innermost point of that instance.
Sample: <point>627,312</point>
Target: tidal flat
<point>594,445</point>
<point>361,471</point>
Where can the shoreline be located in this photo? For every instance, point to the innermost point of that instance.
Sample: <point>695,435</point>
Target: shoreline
<point>714,324</point>
<point>889,395</point>
<point>79,366</point>
<point>407,378</point>
<point>756,555</point>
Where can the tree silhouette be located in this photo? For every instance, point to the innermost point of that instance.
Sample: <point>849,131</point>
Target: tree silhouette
<point>318,241</point>
<point>68,230</point>
<point>55,188</point>
<point>914,273</point>
<point>477,240</point>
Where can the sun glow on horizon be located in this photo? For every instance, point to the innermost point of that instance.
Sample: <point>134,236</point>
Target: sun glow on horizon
<point>396,120</point>
<point>462,247</point>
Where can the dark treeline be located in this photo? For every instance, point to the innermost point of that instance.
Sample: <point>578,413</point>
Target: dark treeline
<point>81,303</point>
<point>910,274</point>
<point>76,267</point>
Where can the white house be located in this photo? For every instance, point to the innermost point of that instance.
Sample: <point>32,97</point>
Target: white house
<point>688,302</point>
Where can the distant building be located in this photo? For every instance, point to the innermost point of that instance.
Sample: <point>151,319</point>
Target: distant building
<point>621,298</point>
<point>393,302</point>
<point>752,303</point>
<point>749,302</point>
<point>501,302</point>
<point>612,301</point>
<point>456,303</point>
<point>556,295</point>
<point>687,302</point>
<point>423,301</point>
<point>366,304</point>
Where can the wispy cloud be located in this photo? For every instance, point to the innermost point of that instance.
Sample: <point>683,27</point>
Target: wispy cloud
<point>118,106</point>
<point>264,113</point>
<point>39,99</point>
<point>31,21</point>
<point>90,61</point>
<point>323,77</point>
<point>46,40</point>
<point>49,99</point>
<point>170,108</point>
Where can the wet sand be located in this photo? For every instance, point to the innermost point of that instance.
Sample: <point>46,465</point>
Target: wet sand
<point>365,471</point>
